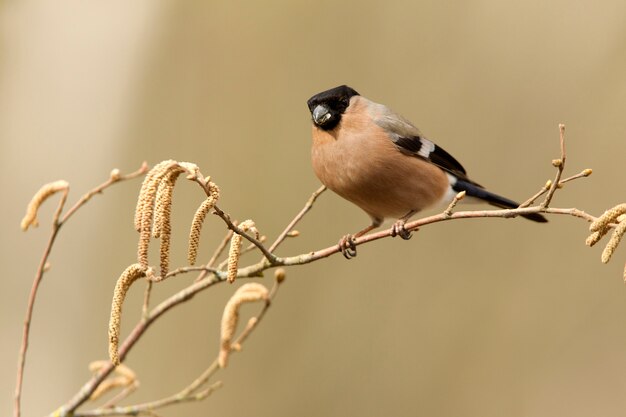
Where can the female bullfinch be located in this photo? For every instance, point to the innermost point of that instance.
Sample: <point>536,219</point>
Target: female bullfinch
<point>380,161</point>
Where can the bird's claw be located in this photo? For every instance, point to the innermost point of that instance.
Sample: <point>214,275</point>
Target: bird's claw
<point>398,229</point>
<point>347,246</point>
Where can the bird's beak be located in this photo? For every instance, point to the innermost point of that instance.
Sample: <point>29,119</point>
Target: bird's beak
<point>321,114</point>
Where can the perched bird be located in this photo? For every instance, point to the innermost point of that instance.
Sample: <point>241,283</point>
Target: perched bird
<point>380,161</point>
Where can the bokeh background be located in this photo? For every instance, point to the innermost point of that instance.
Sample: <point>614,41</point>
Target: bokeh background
<point>469,318</point>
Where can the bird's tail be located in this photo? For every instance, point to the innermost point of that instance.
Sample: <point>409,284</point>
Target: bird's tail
<point>473,190</point>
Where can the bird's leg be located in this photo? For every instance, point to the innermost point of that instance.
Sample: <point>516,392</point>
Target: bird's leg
<point>398,228</point>
<point>346,243</point>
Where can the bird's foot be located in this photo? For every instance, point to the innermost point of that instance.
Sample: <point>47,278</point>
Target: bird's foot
<point>347,246</point>
<point>398,229</point>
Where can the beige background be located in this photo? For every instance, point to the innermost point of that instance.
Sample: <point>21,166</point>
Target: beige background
<point>474,318</point>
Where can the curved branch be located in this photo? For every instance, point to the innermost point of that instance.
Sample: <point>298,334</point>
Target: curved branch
<point>256,269</point>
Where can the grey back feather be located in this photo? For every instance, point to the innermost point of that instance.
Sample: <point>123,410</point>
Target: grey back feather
<point>410,141</point>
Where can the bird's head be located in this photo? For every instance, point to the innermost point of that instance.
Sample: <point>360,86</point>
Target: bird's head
<point>327,107</point>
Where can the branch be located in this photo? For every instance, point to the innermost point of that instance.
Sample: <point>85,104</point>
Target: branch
<point>271,258</point>
<point>114,177</point>
<point>190,392</point>
<point>210,274</point>
<point>256,269</point>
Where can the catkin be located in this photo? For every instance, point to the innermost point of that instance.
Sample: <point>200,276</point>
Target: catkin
<point>595,237</point>
<point>130,275</point>
<point>163,201</point>
<point>602,225</point>
<point>235,249</point>
<point>198,221</point>
<point>613,242</point>
<point>125,378</point>
<point>146,206</point>
<point>30,218</point>
<point>608,217</point>
<point>163,213</point>
<point>148,183</point>
<point>149,195</point>
<point>233,257</point>
<point>249,292</point>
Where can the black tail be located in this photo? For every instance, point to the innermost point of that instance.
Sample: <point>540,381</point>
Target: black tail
<point>474,190</point>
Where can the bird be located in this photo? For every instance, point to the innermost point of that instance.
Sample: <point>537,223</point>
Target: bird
<point>379,161</point>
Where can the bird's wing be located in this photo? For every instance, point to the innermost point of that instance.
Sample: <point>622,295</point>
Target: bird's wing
<point>410,141</point>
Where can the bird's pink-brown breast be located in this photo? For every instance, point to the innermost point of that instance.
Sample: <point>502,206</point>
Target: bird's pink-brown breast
<point>358,161</point>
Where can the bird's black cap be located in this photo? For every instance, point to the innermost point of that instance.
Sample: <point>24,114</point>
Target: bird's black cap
<point>334,94</point>
<point>331,104</point>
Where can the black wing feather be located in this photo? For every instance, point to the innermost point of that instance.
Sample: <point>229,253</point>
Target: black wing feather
<point>425,149</point>
<point>410,141</point>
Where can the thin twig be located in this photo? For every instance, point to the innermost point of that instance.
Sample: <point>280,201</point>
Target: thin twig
<point>582,174</point>
<point>204,270</point>
<point>149,407</point>
<point>460,196</point>
<point>220,249</point>
<point>121,395</point>
<point>21,361</point>
<point>299,216</point>
<point>252,247</point>
<point>546,187</point>
<point>560,165</point>
<point>99,189</point>
<point>539,193</point>
<point>146,298</point>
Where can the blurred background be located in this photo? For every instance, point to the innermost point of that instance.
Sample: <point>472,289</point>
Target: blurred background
<point>469,318</point>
